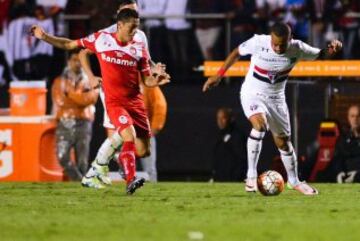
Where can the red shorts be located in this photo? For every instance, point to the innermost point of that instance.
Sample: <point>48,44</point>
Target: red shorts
<point>124,116</point>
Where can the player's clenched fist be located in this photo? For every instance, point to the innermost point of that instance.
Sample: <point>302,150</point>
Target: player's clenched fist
<point>335,46</point>
<point>37,32</point>
<point>160,75</point>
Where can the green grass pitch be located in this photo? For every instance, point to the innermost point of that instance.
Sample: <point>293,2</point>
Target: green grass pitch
<point>176,211</point>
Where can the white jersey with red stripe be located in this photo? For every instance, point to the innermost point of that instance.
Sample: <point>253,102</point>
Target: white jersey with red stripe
<point>268,70</point>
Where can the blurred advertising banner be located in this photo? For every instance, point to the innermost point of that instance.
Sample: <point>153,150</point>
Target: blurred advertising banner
<point>350,68</point>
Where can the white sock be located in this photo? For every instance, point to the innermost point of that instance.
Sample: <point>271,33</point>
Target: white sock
<point>290,162</point>
<point>106,152</point>
<point>108,148</point>
<point>254,145</point>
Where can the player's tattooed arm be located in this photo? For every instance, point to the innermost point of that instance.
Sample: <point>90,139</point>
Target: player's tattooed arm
<point>215,80</point>
<point>332,49</point>
<point>62,43</point>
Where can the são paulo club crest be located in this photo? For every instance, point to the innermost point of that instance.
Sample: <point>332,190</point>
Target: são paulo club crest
<point>272,76</point>
<point>253,107</point>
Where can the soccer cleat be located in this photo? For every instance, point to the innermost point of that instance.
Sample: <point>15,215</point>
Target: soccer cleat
<point>134,184</point>
<point>251,184</point>
<point>92,182</point>
<point>101,172</point>
<point>306,189</point>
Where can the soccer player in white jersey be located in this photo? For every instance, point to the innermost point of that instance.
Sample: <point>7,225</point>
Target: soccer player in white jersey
<point>123,63</point>
<point>98,172</point>
<point>263,95</point>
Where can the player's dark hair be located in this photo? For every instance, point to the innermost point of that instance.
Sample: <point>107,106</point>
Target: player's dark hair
<point>122,3</point>
<point>126,14</point>
<point>280,29</point>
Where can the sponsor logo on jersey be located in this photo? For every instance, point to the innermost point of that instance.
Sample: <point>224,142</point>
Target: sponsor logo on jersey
<point>119,54</point>
<point>118,61</point>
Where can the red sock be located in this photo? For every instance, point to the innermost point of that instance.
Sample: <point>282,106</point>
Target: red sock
<point>128,161</point>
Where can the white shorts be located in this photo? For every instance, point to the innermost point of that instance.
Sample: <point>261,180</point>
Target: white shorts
<point>273,106</point>
<point>106,121</point>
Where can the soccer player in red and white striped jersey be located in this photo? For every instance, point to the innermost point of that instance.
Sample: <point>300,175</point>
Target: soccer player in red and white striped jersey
<point>121,60</point>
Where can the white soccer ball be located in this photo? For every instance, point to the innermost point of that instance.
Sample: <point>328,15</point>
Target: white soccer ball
<point>270,183</point>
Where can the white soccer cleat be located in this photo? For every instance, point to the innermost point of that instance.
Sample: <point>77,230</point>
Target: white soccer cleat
<point>306,189</point>
<point>101,172</point>
<point>92,182</point>
<point>251,185</point>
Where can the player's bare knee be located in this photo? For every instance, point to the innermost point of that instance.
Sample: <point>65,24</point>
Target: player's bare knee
<point>258,123</point>
<point>143,152</point>
<point>128,135</point>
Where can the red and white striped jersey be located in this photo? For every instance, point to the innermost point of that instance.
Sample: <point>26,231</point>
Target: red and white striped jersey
<point>120,64</point>
<point>268,70</point>
<point>138,37</point>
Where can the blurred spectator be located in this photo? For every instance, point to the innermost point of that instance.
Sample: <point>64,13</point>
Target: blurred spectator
<point>156,107</point>
<point>323,14</point>
<point>229,163</point>
<point>4,13</point>
<point>268,12</point>
<point>27,57</point>
<point>21,8</point>
<point>178,37</point>
<point>77,28</point>
<point>207,30</point>
<point>346,162</point>
<point>296,17</point>
<point>4,70</point>
<point>54,9</point>
<point>243,23</point>
<point>349,27</point>
<point>74,108</point>
<point>155,28</point>
<point>101,13</point>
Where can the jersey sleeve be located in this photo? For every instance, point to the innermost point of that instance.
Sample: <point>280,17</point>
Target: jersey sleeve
<point>247,47</point>
<point>88,42</point>
<point>110,29</point>
<point>307,52</point>
<point>145,41</point>
<point>144,65</point>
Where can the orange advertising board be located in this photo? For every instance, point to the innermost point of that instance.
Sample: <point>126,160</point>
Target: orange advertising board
<point>27,149</point>
<point>345,68</point>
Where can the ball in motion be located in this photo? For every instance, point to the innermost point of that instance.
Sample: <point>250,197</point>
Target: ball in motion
<point>270,183</point>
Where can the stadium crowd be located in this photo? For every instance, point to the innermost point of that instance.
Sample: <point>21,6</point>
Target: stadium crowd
<point>172,40</point>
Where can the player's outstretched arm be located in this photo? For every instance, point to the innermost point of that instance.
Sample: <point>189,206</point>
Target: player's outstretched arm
<point>95,81</point>
<point>215,80</point>
<point>333,48</point>
<point>62,43</point>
